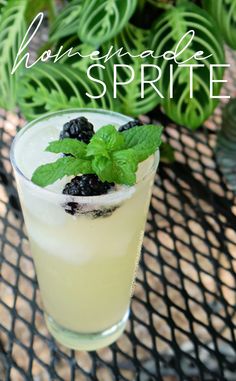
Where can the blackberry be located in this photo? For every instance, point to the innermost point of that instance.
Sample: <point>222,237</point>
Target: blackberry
<point>71,208</point>
<point>87,185</point>
<point>79,128</point>
<point>131,124</point>
<point>74,208</point>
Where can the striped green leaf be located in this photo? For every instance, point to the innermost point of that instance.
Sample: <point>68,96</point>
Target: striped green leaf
<point>167,32</point>
<point>12,29</point>
<point>103,19</point>
<point>67,22</point>
<point>50,87</point>
<point>134,40</point>
<point>224,13</point>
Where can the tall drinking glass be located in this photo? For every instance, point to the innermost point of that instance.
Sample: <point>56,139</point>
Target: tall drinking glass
<point>85,249</point>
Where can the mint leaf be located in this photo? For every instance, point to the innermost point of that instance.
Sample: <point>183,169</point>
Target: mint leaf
<point>103,167</point>
<point>119,168</point>
<point>126,165</point>
<point>97,147</point>
<point>47,174</point>
<point>106,140</point>
<point>143,139</point>
<point>113,139</point>
<point>68,146</point>
<point>112,155</point>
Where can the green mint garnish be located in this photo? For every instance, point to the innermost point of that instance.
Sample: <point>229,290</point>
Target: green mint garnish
<point>112,139</point>
<point>113,156</point>
<point>119,168</point>
<point>68,146</point>
<point>47,174</point>
<point>106,140</point>
<point>143,139</point>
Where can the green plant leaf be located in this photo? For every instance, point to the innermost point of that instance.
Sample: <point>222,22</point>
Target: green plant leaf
<point>103,167</point>
<point>82,63</point>
<point>2,3</point>
<point>163,4</point>
<point>47,174</point>
<point>67,22</point>
<point>103,19</point>
<point>34,7</point>
<point>134,40</point>
<point>79,61</point>
<point>119,168</point>
<point>167,32</point>
<point>68,146</point>
<point>12,29</point>
<point>51,87</point>
<point>143,139</point>
<point>224,14</point>
<point>112,155</point>
<point>113,139</point>
<point>97,147</point>
<point>125,163</point>
<point>106,140</point>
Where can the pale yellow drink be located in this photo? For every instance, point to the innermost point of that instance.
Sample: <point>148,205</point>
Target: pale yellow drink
<point>85,263</point>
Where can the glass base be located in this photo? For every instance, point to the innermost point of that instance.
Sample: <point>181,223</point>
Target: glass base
<point>85,341</point>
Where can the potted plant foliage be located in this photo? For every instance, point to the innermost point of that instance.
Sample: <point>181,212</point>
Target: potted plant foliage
<point>136,25</point>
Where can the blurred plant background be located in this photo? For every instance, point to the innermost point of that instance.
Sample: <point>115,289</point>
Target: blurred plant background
<point>137,25</point>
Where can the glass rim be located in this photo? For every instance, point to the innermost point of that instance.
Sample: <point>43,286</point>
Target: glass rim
<point>82,199</point>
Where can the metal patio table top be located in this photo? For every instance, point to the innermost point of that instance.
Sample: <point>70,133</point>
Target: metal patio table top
<point>182,323</point>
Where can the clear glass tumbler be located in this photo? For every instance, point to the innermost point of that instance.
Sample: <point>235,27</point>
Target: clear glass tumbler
<point>85,249</point>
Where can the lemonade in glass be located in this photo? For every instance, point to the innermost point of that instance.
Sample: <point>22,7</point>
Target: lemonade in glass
<point>85,248</point>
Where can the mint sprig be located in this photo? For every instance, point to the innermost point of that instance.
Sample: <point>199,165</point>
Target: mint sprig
<point>112,155</point>
<point>68,146</point>
<point>47,174</point>
<point>143,139</point>
<point>119,168</point>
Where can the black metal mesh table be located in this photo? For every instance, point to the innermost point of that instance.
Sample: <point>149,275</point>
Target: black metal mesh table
<point>183,317</point>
